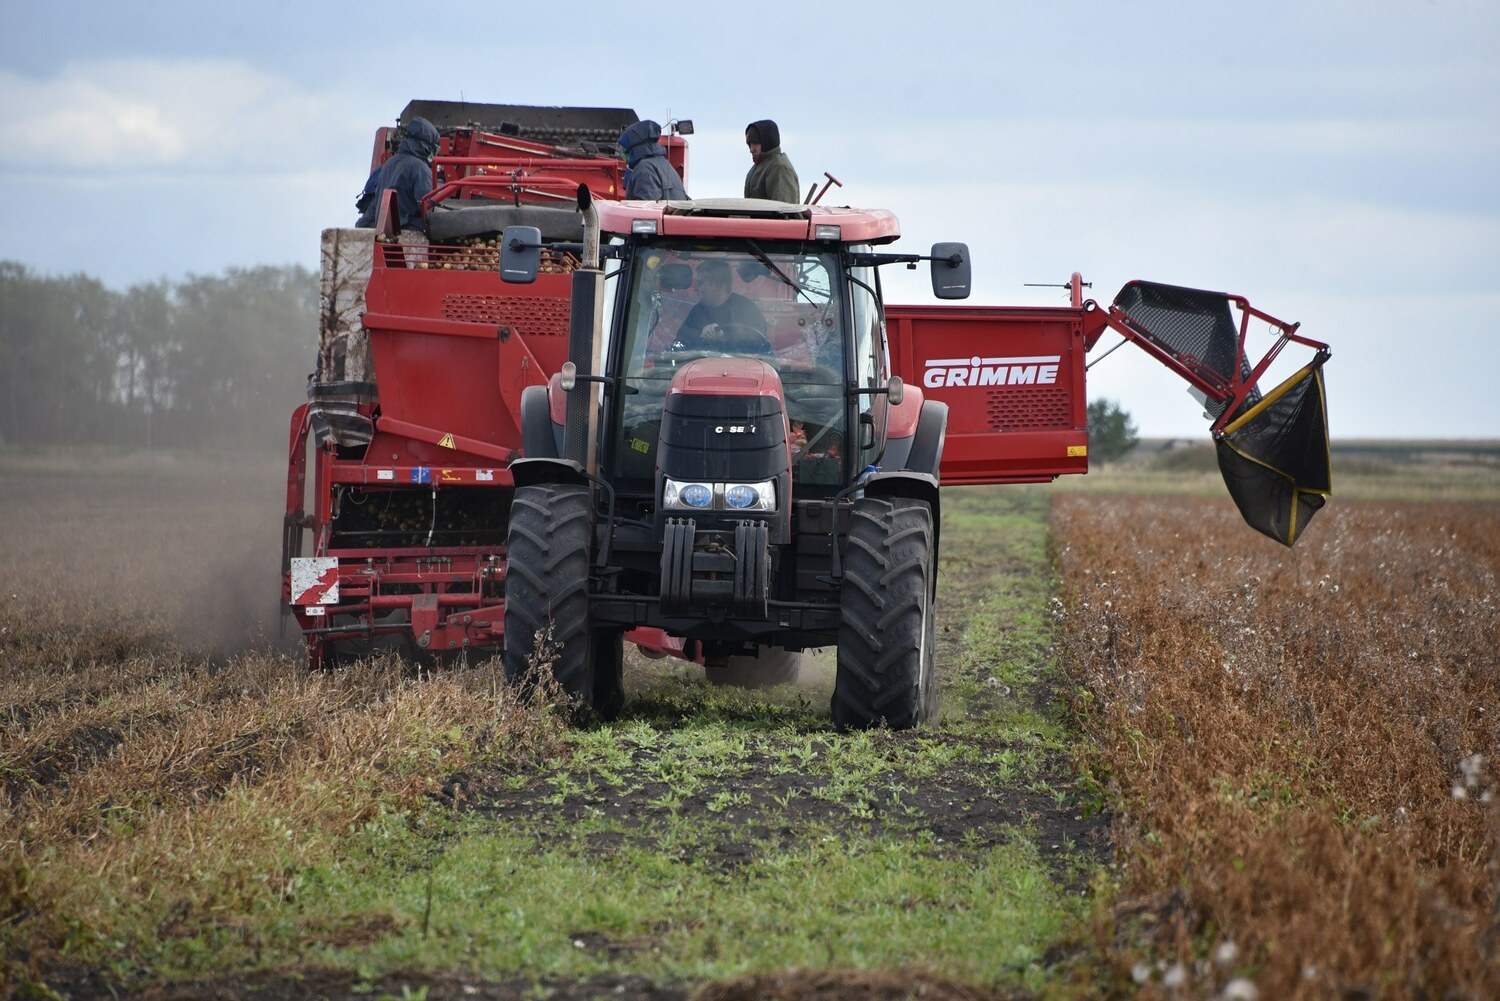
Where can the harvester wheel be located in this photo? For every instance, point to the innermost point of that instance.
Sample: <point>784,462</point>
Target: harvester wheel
<point>885,671</point>
<point>609,674</point>
<point>547,622</point>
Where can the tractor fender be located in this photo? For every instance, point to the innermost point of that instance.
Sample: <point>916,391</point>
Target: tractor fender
<point>534,472</point>
<point>539,433</point>
<point>922,451</point>
<point>901,483</point>
<point>908,483</point>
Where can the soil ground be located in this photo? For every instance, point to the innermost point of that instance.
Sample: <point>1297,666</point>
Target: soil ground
<point>962,811</point>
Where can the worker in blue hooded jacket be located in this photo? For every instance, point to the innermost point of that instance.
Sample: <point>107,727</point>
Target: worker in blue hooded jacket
<point>651,176</point>
<point>409,172</point>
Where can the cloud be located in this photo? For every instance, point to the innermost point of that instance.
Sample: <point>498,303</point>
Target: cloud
<point>145,114</point>
<point>1352,193</point>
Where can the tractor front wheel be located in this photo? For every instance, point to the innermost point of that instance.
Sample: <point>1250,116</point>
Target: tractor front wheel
<point>885,673</point>
<point>547,620</point>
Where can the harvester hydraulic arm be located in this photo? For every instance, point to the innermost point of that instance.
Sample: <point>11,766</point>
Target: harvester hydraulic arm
<point>1193,333</point>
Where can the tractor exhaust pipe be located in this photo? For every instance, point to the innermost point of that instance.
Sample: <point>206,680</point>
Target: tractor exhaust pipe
<point>590,227</point>
<point>584,342</point>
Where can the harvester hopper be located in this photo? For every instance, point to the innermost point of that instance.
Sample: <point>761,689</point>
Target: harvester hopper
<point>1272,446</point>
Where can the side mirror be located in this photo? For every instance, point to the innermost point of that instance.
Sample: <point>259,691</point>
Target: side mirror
<point>895,390</point>
<point>520,254</point>
<point>950,270</point>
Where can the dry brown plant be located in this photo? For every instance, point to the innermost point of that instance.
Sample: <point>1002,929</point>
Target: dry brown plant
<point>152,792</point>
<point>162,769</point>
<point>1301,744</point>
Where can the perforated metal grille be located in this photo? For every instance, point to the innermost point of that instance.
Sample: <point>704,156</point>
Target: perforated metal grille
<point>1022,408</point>
<point>531,316</point>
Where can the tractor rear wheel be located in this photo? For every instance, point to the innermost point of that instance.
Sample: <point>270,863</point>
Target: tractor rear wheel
<point>609,673</point>
<point>885,673</point>
<point>547,621</point>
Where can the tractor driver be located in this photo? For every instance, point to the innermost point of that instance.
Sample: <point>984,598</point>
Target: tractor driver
<point>722,320</point>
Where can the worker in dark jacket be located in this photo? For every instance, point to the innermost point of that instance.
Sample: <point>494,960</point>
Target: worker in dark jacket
<point>772,174</point>
<point>650,176</point>
<point>409,172</point>
<point>722,319</point>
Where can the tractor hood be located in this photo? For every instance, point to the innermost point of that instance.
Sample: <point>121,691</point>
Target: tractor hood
<point>728,376</point>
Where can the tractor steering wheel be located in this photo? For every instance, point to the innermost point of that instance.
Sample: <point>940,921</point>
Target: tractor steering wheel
<point>737,338</point>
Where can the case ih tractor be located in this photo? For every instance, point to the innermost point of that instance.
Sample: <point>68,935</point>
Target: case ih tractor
<point>523,433</point>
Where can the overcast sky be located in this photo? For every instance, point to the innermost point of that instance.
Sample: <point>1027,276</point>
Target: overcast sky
<point>1335,161</point>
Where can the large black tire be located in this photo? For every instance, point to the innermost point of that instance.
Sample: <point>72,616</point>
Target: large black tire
<point>885,673</point>
<point>547,590</point>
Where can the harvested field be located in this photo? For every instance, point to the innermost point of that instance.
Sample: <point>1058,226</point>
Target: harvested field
<point>186,820</point>
<point>1294,751</point>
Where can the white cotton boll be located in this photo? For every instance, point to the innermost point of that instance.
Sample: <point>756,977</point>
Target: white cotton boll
<point>1240,989</point>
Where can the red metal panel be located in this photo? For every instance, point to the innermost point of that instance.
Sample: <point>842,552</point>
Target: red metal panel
<point>726,377</point>
<point>375,474</point>
<point>529,180</point>
<point>903,418</point>
<point>1013,379</point>
<point>453,352</point>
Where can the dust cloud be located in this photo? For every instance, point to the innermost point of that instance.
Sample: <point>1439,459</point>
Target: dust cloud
<point>186,542</point>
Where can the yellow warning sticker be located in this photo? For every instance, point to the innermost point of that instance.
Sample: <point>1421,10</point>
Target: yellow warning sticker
<point>446,441</point>
<point>1077,450</point>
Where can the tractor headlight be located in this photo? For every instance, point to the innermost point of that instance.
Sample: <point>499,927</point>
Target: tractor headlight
<point>688,495</point>
<point>678,496</point>
<point>750,496</point>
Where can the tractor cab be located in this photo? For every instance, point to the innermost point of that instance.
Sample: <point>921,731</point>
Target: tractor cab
<point>733,311</point>
<point>798,324</point>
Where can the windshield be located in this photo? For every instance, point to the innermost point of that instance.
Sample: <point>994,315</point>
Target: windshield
<point>772,302</point>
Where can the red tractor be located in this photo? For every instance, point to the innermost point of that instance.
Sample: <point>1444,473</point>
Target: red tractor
<point>697,426</point>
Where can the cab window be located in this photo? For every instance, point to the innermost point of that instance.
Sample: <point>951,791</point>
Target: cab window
<point>771,302</point>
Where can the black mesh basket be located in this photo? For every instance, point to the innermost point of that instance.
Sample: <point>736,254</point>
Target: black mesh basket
<point>1194,327</point>
<point>1274,456</point>
<point>1273,448</point>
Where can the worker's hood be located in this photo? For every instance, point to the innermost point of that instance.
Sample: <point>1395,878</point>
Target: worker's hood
<point>640,141</point>
<point>420,139</point>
